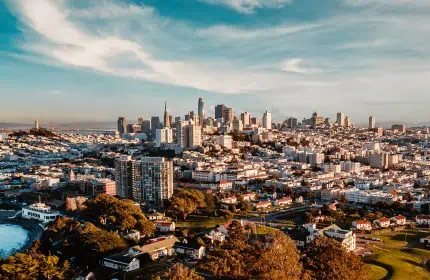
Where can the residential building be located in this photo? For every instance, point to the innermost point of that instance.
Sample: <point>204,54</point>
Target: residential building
<point>163,136</point>
<point>340,119</point>
<point>267,120</point>
<point>362,225</point>
<point>372,122</point>
<point>224,140</point>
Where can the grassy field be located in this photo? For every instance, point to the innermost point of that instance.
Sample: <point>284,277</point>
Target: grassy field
<point>194,221</point>
<point>399,256</point>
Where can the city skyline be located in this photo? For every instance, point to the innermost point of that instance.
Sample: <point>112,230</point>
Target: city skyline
<point>106,59</point>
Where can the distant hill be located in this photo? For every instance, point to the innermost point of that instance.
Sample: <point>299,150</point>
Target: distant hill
<point>73,125</point>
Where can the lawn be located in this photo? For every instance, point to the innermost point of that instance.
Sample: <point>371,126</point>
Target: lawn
<point>194,221</point>
<point>399,256</point>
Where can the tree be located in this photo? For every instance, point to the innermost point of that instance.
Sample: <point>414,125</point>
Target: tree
<point>111,212</point>
<point>325,258</point>
<point>185,202</point>
<point>279,261</point>
<point>226,214</point>
<point>34,266</point>
<point>100,241</point>
<point>180,272</point>
<point>210,204</point>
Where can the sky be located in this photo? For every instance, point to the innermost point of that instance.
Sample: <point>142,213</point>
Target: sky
<point>95,60</point>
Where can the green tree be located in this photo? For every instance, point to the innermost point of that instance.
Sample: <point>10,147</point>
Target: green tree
<point>185,202</point>
<point>325,258</point>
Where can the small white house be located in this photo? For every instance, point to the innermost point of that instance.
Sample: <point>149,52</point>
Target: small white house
<point>362,225</point>
<point>423,219</point>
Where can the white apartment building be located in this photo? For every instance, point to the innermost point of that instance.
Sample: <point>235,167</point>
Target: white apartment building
<point>39,211</point>
<point>189,135</point>
<point>225,141</point>
<point>267,120</point>
<point>163,136</point>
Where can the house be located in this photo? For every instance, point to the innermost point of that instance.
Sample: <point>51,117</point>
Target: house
<point>263,204</point>
<point>165,226</point>
<point>283,201</point>
<point>346,237</point>
<point>217,235</point>
<point>157,247</point>
<point>156,216</point>
<point>362,225</point>
<point>423,219</point>
<point>249,196</point>
<point>399,220</point>
<point>228,201</point>
<point>190,250</point>
<point>121,262</point>
<point>382,222</point>
<point>425,241</point>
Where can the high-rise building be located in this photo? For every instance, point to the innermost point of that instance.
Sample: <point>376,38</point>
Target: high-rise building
<point>372,122</point>
<point>163,136</point>
<point>348,122</point>
<point>134,128</point>
<point>237,125</point>
<point>201,111</point>
<point>291,122</point>
<point>246,119</point>
<point>122,124</point>
<point>156,179</point>
<point>148,179</point>
<point>36,124</point>
<point>166,116</point>
<point>340,119</point>
<point>140,120</point>
<point>125,176</point>
<point>155,124</point>
<point>188,134</point>
<point>267,120</point>
<point>255,122</point>
<point>228,115</point>
<point>317,119</point>
<point>146,127</point>
<point>219,111</point>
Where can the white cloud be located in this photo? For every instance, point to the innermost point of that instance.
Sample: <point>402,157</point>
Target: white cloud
<point>298,65</point>
<point>248,6</point>
<point>109,9</point>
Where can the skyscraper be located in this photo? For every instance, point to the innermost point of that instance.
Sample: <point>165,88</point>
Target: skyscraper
<point>188,135</point>
<point>166,116</point>
<point>228,115</point>
<point>125,176</point>
<point>201,110</point>
<point>292,122</point>
<point>267,120</point>
<point>155,124</point>
<point>140,120</point>
<point>122,124</point>
<point>149,179</point>
<point>246,119</point>
<point>372,122</point>
<point>219,111</point>
<point>36,124</point>
<point>156,179</point>
<point>340,119</point>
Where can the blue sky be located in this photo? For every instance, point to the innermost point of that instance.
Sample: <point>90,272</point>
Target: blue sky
<point>76,60</point>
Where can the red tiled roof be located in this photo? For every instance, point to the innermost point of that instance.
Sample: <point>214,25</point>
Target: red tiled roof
<point>362,222</point>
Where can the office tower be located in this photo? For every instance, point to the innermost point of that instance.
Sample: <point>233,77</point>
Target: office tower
<point>121,125</point>
<point>246,119</point>
<point>190,116</point>
<point>146,127</point>
<point>170,120</point>
<point>291,122</point>
<point>348,122</point>
<point>209,122</point>
<point>201,111</point>
<point>36,124</point>
<point>237,125</point>
<point>372,122</point>
<point>340,119</point>
<point>166,116</point>
<point>156,179</point>
<point>163,136</point>
<point>228,115</point>
<point>140,120</point>
<point>219,111</point>
<point>317,119</point>
<point>125,176</point>
<point>255,122</point>
<point>267,120</point>
<point>188,135</point>
<point>155,124</point>
<point>177,120</point>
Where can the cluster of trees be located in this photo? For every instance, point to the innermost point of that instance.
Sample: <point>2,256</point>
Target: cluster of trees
<point>34,265</point>
<point>184,202</point>
<point>122,215</point>
<point>65,233</point>
<point>242,258</point>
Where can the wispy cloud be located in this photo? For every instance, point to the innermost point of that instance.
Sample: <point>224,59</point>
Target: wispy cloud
<point>249,6</point>
<point>298,65</point>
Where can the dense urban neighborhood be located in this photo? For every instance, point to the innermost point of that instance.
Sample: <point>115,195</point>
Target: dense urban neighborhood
<point>222,197</point>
